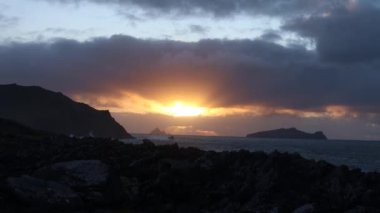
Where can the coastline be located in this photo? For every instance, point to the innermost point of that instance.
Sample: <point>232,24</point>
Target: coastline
<point>354,154</point>
<point>168,178</point>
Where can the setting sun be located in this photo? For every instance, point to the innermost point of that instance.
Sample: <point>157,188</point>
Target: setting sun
<point>182,110</point>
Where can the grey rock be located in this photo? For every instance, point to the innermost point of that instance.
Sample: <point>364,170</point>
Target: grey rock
<point>79,173</point>
<point>91,179</point>
<point>307,208</point>
<point>274,210</point>
<point>144,162</point>
<point>148,143</point>
<point>358,209</point>
<point>37,192</point>
<point>176,164</point>
<point>204,163</point>
<point>131,187</point>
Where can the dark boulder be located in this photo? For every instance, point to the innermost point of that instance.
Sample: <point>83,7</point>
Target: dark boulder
<point>307,208</point>
<point>148,143</point>
<point>79,173</point>
<point>38,192</point>
<point>92,179</point>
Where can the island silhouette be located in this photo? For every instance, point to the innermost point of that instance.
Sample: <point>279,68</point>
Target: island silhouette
<point>290,133</point>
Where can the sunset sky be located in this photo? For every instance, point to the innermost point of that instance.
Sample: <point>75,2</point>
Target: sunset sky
<point>205,67</point>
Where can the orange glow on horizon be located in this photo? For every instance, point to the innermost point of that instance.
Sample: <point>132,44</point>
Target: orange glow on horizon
<point>134,103</point>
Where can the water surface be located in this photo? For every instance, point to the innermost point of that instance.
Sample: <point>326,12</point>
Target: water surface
<point>358,154</point>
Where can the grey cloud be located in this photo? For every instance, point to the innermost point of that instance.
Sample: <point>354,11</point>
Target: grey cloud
<point>198,29</point>
<point>221,8</point>
<point>237,72</point>
<point>343,35</point>
<point>64,31</point>
<point>130,16</point>
<point>271,36</point>
<point>6,21</point>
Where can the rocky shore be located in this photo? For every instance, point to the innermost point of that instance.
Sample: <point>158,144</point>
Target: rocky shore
<point>42,172</point>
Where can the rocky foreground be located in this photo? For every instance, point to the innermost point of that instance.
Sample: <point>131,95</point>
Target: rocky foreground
<point>51,173</point>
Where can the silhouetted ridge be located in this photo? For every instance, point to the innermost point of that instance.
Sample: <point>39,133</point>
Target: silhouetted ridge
<point>52,111</point>
<point>8,127</point>
<point>291,133</point>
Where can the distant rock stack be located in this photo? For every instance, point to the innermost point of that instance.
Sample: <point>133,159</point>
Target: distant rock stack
<point>157,131</point>
<point>50,111</point>
<point>291,133</point>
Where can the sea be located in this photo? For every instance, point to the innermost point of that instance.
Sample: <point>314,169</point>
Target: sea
<point>354,154</point>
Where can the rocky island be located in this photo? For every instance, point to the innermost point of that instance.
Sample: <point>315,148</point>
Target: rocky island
<point>159,132</point>
<point>291,133</point>
<point>54,112</point>
<point>47,172</point>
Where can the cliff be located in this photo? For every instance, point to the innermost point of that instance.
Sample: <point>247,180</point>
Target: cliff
<point>54,112</point>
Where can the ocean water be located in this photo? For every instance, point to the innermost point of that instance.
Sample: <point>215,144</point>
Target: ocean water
<point>355,154</point>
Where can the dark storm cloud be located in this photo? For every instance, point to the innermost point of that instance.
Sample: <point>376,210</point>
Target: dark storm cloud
<point>237,72</point>
<point>222,8</point>
<point>344,35</point>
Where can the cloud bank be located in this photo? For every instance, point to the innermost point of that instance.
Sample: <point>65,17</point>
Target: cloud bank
<point>222,72</point>
<point>224,8</point>
<point>343,35</point>
<point>340,77</point>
